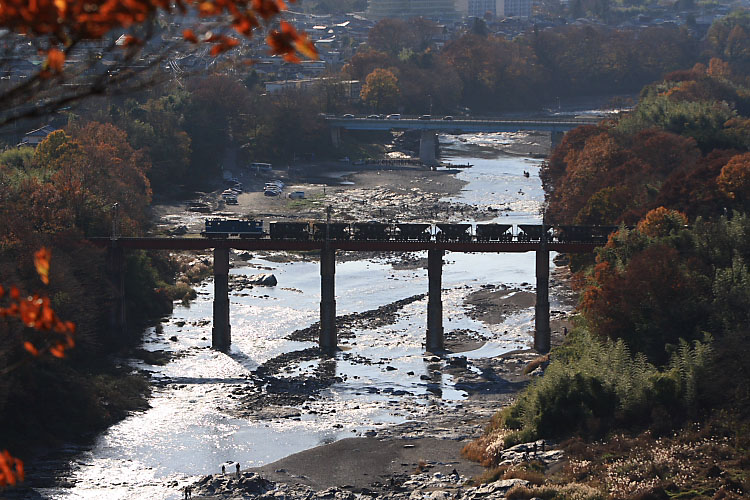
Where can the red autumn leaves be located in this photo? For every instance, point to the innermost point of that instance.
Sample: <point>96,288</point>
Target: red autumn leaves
<point>11,469</point>
<point>34,311</point>
<point>63,22</point>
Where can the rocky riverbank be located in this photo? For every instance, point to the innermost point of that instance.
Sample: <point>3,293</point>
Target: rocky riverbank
<point>396,470</point>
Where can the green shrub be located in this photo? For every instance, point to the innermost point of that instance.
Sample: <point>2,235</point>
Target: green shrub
<point>181,291</point>
<point>592,385</point>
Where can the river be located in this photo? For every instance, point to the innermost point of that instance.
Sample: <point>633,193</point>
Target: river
<point>190,429</point>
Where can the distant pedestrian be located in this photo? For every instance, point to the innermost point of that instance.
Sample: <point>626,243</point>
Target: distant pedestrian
<point>190,491</point>
<point>542,445</point>
<point>565,331</point>
<point>535,448</point>
<point>237,465</point>
<point>223,470</point>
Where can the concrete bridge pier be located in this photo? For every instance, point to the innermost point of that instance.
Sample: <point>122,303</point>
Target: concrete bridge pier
<point>435,338</point>
<point>327,340</point>
<point>221,336</point>
<point>116,273</point>
<point>541,318</point>
<point>428,144</point>
<point>336,136</point>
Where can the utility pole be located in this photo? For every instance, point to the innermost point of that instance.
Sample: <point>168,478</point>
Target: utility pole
<point>115,221</point>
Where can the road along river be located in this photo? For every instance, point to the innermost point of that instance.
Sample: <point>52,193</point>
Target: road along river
<point>202,413</point>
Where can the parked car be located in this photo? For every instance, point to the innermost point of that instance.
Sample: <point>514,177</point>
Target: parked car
<point>297,195</point>
<point>394,116</point>
<point>347,115</point>
<point>448,118</point>
<point>425,117</point>
<point>231,200</point>
<point>375,117</point>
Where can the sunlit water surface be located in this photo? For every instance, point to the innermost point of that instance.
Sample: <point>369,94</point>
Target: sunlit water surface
<point>189,430</point>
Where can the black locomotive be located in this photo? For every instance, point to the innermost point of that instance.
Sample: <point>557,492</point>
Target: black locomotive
<point>403,231</point>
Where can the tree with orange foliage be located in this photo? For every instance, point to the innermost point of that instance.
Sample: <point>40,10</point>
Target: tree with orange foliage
<point>645,292</point>
<point>116,31</point>
<point>661,222</point>
<point>380,89</point>
<point>52,336</point>
<point>734,179</point>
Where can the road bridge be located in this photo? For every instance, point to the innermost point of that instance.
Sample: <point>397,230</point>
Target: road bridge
<point>221,330</point>
<point>464,125</point>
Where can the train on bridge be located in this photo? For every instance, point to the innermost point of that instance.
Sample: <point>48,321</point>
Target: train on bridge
<point>404,231</point>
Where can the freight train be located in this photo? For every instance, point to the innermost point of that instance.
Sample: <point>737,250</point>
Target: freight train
<point>405,231</point>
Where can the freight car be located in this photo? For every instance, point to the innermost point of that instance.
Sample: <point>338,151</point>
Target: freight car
<point>289,230</point>
<point>336,231</point>
<point>225,228</point>
<point>452,232</point>
<point>494,232</point>
<point>412,231</point>
<point>377,231</point>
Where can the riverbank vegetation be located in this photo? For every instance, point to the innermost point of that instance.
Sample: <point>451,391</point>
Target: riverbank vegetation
<point>54,196</point>
<point>649,394</point>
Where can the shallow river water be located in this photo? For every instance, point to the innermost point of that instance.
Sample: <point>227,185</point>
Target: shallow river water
<point>190,431</point>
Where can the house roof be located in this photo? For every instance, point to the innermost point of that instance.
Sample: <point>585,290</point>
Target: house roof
<point>40,132</point>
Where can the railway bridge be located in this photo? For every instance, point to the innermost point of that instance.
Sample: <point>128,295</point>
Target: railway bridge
<point>430,127</point>
<point>221,328</point>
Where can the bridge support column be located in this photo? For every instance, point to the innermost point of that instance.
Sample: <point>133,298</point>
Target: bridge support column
<point>327,340</point>
<point>221,336</point>
<point>541,319</point>
<point>435,338</point>
<point>336,136</point>
<point>116,272</point>
<point>428,144</point>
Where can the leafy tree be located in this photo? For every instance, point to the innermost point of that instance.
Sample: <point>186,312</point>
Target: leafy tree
<point>157,128</point>
<point>17,158</point>
<point>380,89</point>
<point>114,172</point>
<point>218,109</point>
<point>662,222</point>
<point>654,299</point>
<point>728,39</point>
<point>391,36</point>
<point>734,180</point>
<point>287,124</point>
<point>365,62</point>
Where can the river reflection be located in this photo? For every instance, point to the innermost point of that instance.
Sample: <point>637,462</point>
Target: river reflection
<point>190,429</point>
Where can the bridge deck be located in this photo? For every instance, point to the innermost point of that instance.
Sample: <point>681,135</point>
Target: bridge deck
<point>350,245</point>
<point>462,125</point>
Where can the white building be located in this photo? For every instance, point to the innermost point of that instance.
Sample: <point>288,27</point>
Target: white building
<point>513,8</point>
<point>438,10</point>
<point>476,8</point>
<point>500,8</point>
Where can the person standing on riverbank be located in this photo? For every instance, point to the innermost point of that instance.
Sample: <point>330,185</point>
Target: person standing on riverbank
<point>237,465</point>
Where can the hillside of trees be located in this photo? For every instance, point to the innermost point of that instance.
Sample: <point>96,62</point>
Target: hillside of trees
<point>650,393</point>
